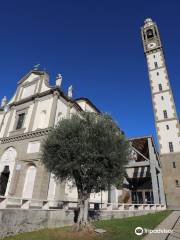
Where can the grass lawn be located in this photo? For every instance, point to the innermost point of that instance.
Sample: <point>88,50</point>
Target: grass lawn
<point>117,229</point>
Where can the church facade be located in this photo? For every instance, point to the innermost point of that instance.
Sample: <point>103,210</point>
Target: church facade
<point>166,118</point>
<point>25,121</point>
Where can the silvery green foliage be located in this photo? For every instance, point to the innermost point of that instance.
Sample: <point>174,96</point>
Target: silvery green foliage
<point>88,149</point>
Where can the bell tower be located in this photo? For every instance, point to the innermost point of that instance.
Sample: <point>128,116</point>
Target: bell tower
<point>166,119</point>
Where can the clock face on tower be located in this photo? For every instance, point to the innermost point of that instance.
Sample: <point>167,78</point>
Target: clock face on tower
<point>151,45</point>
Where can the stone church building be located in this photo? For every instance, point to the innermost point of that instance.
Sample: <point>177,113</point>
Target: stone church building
<point>37,107</point>
<point>25,121</point>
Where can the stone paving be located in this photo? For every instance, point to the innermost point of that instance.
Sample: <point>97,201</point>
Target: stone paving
<point>171,222</point>
<point>175,235</point>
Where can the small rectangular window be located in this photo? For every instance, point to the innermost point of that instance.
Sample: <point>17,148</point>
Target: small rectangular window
<point>171,148</point>
<point>156,64</point>
<point>174,164</point>
<point>160,87</point>
<point>167,127</point>
<point>177,183</point>
<point>165,114</point>
<point>157,73</point>
<point>20,121</point>
<point>33,147</point>
<point>154,56</point>
<point>162,97</point>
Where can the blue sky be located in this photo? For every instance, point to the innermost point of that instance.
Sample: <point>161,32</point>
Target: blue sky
<point>96,46</point>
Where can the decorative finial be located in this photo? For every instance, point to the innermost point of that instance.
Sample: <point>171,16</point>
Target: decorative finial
<point>148,22</point>
<point>58,80</point>
<point>36,67</point>
<point>4,102</point>
<point>70,91</point>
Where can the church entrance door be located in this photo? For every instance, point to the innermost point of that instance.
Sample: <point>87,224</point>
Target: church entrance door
<point>4,177</point>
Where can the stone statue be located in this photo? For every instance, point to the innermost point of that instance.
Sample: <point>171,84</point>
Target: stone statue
<point>70,91</point>
<point>36,67</point>
<point>4,102</point>
<point>59,80</point>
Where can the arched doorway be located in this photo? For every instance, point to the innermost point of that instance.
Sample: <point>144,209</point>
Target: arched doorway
<point>4,180</point>
<point>7,163</point>
<point>29,182</point>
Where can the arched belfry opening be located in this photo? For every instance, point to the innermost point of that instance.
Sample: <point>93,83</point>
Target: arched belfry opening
<point>150,33</point>
<point>4,177</point>
<point>7,163</point>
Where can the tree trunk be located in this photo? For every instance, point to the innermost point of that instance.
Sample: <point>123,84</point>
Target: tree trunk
<point>82,222</point>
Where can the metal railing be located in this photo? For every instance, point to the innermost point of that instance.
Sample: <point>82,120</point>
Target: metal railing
<point>23,203</point>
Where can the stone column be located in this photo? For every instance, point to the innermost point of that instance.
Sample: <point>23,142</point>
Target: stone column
<point>154,178</point>
<point>113,195</point>
<point>33,114</point>
<point>161,189</point>
<point>155,186</point>
<point>9,122</point>
<point>69,109</point>
<point>15,180</point>
<point>41,183</point>
<point>53,109</point>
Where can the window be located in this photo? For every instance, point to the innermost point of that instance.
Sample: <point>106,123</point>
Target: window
<point>174,164</point>
<point>177,183</point>
<point>165,114</point>
<point>154,56</point>
<point>20,121</point>
<point>149,33</point>
<point>162,97</point>
<point>155,64</point>
<point>33,147</point>
<point>171,148</point>
<point>160,87</point>
<point>157,73</point>
<point>167,127</point>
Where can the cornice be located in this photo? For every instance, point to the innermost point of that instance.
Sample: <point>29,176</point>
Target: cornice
<point>19,137</point>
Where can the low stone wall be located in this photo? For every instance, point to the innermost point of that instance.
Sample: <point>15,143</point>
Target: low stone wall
<point>13,221</point>
<point>106,215</point>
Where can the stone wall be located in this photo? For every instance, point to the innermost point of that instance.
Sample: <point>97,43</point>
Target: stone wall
<point>170,175</point>
<point>13,221</point>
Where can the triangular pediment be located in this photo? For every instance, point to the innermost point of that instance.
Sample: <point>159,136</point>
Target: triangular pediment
<point>31,76</point>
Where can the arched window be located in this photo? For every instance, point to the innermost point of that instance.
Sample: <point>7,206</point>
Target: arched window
<point>7,163</point>
<point>29,182</point>
<point>149,33</point>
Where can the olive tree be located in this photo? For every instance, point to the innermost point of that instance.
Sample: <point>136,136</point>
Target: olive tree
<point>90,150</point>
